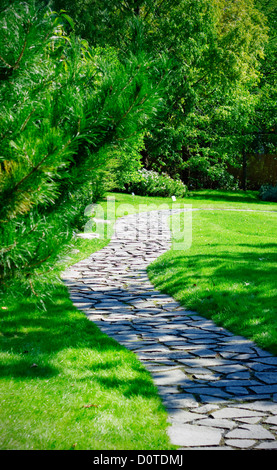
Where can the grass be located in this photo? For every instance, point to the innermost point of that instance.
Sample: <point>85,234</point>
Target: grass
<point>203,198</point>
<point>229,273</point>
<point>66,385</point>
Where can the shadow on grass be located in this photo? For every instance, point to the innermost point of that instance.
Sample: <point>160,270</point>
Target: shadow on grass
<point>234,267</point>
<point>247,305</point>
<point>133,387</point>
<point>227,196</point>
<point>33,338</point>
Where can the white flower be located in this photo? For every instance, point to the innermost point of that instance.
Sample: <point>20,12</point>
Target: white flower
<point>173,198</point>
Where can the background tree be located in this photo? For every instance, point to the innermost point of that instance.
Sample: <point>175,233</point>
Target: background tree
<point>215,50</point>
<point>218,59</point>
<point>266,112</point>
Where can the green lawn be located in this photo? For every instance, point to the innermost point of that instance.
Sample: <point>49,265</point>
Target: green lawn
<point>66,385</point>
<point>229,273</point>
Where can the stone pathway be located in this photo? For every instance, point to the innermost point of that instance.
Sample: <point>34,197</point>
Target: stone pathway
<point>220,390</point>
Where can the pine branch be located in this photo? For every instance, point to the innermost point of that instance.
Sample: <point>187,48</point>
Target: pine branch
<point>6,63</point>
<point>129,109</point>
<point>8,248</point>
<point>32,288</point>
<point>38,263</point>
<point>26,121</point>
<point>34,169</point>
<point>16,64</point>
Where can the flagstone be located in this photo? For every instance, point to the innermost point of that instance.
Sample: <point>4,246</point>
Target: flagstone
<point>250,431</point>
<point>212,399</point>
<point>264,406</point>
<point>217,423</point>
<point>229,412</point>
<point>261,389</point>
<point>187,435</point>
<point>266,446</point>
<point>183,416</point>
<point>169,377</point>
<point>179,401</point>
<point>241,443</point>
<point>267,377</point>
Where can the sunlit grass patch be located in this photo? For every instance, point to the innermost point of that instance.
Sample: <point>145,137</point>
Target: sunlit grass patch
<point>66,385</point>
<point>229,273</point>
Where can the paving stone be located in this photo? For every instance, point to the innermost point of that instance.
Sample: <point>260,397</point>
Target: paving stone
<point>240,443</point>
<point>236,383</point>
<point>169,377</point>
<point>238,375</point>
<point>237,390</point>
<point>180,401</point>
<point>263,406</point>
<point>269,360</point>
<point>212,399</point>
<point>241,348</point>
<point>204,352</point>
<point>267,377</point>
<point>206,409</point>
<point>199,362</point>
<point>228,368</point>
<point>254,420</point>
<point>229,412</point>
<point>215,392</point>
<point>266,446</point>
<point>250,431</point>
<point>165,390</point>
<point>183,416</point>
<point>205,377</point>
<point>217,423</point>
<point>271,420</point>
<point>264,389</point>
<point>187,435</point>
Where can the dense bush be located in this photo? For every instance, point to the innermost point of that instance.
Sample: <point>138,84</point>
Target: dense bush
<point>151,183</point>
<point>268,193</point>
<point>200,174</point>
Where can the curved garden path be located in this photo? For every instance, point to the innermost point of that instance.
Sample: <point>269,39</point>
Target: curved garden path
<point>220,390</point>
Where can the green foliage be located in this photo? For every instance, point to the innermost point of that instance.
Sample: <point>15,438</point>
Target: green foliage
<point>268,193</point>
<point>205,172</point>
<point>267,91</point>
<point>221,93</point>
<point>70,112</point>
<point>151,183</point>
<point>211,108</point>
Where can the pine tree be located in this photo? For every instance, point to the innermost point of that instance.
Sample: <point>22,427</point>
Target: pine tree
<point>66,110</point>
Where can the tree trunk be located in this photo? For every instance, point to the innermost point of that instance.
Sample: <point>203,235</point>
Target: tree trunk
<point>244,170</point>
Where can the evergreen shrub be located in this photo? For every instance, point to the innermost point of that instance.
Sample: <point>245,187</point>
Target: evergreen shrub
<point>66,111</point>
<point>268,193</point>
